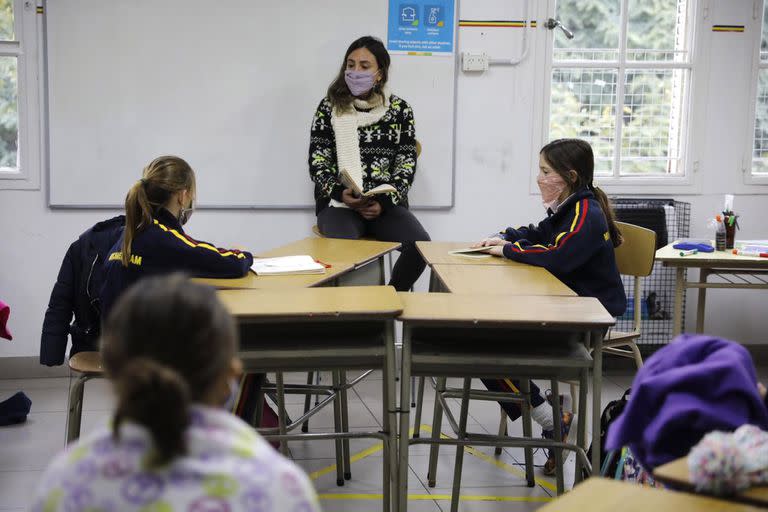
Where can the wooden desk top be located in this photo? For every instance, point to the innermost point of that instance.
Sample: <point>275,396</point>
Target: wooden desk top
<point>603,495</point>
<point>437,253</point>
<point>347,302</point>
<point>725,259</point>
<point>343,256</point>
<point>507,279</point>
<point>530,311</point>
<point>252,281</point>
<point>676,473</point>
<point>330,250</point>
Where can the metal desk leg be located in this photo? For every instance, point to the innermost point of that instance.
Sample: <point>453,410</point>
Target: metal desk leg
<point>405,383</point>
<point>677,316</point>
<point>597,385</point>
<point>525,406</point>
<point>307,402</point>
<point>337,428</point>
<point>345,423</point>
<point>459,463</point>
<point>702,302</point>
<point>581,425</point>
<point>419,405</point>
<point>558,425</point>
<point>281,414</point>
<point>437,422</point>
<point>389,420</point>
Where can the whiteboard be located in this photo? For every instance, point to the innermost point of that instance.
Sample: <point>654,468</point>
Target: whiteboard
<point>231,86</point>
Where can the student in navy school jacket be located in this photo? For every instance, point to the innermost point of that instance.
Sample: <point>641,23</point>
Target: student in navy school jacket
<point>575,243</point>
<point>154,241</point>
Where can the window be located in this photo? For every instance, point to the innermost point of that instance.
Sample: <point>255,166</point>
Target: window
<point>622,83</point>
<point>19,119</point>
<point>760,141</point>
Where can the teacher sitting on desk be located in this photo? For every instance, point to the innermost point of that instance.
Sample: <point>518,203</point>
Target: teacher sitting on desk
<point>364,130</point>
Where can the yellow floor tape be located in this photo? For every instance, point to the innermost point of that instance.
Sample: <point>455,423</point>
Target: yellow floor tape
<point>416,497</point>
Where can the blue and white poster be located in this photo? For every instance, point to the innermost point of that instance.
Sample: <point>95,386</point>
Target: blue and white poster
<point>421,26</point>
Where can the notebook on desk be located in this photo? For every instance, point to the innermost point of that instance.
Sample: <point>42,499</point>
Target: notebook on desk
<point>472,252</point>
<point>287,265</point>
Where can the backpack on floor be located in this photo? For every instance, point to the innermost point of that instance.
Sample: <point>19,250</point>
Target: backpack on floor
<point>609,462</point>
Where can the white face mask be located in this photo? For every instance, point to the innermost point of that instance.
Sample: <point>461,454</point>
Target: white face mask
<point>552,187</point>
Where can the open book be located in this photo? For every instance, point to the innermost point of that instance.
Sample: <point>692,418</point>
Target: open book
<point>287,265</point>
<point>472,252</point>
<point>357,188</point>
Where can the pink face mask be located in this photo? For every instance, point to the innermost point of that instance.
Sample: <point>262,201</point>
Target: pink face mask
<point>551,186</point>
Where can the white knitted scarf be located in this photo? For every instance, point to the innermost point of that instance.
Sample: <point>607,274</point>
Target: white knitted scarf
<point>345,125</point>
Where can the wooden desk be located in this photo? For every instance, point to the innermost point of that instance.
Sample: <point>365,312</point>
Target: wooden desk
<point>335,328</point>
<point>480,320</point>
<point>506,279</point>
<point>603,495</point>
<point>438,253</point>
<point>344,256</point>
<point>676,474</point>
<point>252,281</point>
<point>731,271</point>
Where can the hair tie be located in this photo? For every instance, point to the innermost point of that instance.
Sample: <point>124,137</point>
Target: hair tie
<point>143,181</point>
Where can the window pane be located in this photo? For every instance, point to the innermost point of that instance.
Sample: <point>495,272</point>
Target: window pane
<point>760,147</point>
<point>9,114</point>
<point>595,26</point>
<point>656,30</point>
<point>583,105</point>
<point>7,33</point>
<point>652,121</point>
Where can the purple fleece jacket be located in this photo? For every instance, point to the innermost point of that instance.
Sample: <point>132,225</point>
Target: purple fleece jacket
<point>693,386</point>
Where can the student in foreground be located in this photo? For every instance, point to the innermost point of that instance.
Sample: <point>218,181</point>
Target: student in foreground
<point>363,139</point>
<point>575,242</point>
<point>154,242</point>
<point>169,350</point>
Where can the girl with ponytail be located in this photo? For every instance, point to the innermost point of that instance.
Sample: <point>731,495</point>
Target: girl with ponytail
<point>154,242</point>
<point>169,350</point>
<point>575,242</point>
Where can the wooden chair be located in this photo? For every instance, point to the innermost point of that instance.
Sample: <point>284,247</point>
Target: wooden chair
<point>88,366</point>
<point>634,257</point>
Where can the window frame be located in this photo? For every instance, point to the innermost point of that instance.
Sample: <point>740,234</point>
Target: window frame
<point>617,184</point>
<point>25,48</point>
<point>747,168</point>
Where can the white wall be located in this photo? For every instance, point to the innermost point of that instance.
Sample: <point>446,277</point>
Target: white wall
<point>496,145</point>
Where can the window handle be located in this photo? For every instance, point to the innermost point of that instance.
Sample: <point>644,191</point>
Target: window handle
<point>552,24</point>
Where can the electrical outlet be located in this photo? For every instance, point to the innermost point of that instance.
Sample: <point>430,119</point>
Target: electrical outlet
<point>474,62</point>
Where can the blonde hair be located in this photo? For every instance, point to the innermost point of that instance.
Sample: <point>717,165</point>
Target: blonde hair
<point>162,178</point>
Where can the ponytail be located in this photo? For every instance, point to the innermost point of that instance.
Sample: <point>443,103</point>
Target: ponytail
<point>157,397</point>
<point>610,215</point>
<point>163,177</point>
<point>138,215</point>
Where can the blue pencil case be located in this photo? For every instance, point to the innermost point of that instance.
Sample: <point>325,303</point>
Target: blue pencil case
<point>699,247</point>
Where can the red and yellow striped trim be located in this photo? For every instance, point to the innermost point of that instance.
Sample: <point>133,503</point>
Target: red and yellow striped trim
<point>195,244</point>
<point>497,23</point>
<point>578,221</point>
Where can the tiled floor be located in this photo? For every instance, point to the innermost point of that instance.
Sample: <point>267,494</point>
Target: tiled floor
<point>489,483</point>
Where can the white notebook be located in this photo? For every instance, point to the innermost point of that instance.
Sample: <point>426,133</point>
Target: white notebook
<point>287,265</point>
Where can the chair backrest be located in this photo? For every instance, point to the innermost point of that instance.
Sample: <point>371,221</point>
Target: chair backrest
<point>636,254</point>
<point>418,148</point>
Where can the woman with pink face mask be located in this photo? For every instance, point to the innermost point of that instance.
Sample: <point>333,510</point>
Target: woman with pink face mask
<point>363,129</point>
<point>575,242</point>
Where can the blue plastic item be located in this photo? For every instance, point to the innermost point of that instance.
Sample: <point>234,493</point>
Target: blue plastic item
<point>699,247</point>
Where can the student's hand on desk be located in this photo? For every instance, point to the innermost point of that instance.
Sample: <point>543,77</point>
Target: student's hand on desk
<point>497,250</point>
<point>488,242</point>
<point>370,211</point>
<point>349,199</point>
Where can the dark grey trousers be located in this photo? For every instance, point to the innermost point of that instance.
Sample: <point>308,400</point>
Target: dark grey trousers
<point>396,224</point>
